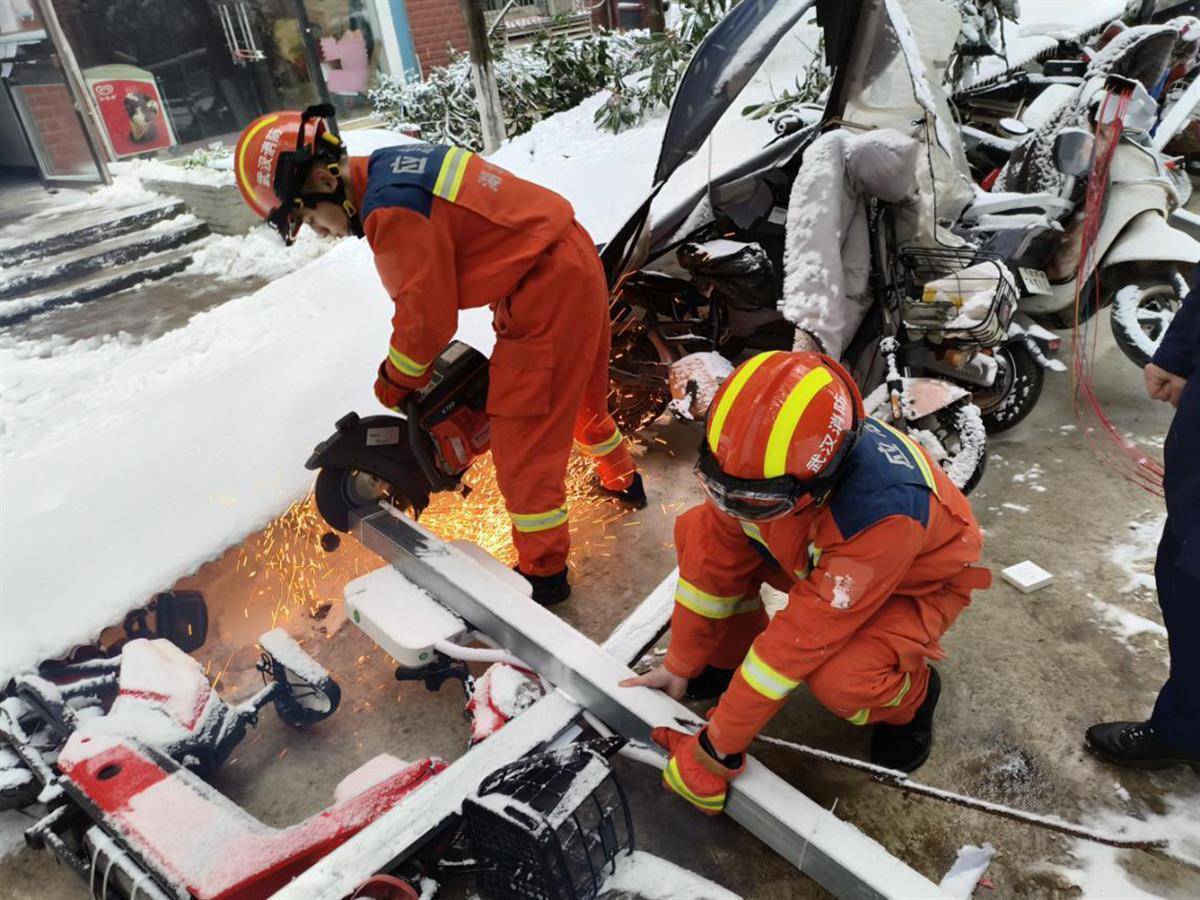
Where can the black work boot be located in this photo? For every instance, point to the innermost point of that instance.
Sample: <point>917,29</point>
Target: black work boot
<point>906,747</point>
<point>633,496</point>
<point>1137,745</point>
<point>709,684</point>
<point>548,589</point>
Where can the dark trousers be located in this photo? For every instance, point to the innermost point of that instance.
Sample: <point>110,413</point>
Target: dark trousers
<point>1176,713</point>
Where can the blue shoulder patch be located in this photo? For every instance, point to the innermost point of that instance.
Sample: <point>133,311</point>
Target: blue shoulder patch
<point>884,480</point>
<point>402,177</point>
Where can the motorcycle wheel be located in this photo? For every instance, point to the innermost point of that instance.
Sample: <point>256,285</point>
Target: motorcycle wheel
<point>18,786</point>
<point>954,437</point>
<point>302,702</point>
<point>1015,392</point>
<point>634,405</point>
<point>1141,313</point>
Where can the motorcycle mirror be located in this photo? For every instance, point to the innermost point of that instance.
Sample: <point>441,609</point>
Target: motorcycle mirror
<point>1073,151</point>
<point>1013,127</point>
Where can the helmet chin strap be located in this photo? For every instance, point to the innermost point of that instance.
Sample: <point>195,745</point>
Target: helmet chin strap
<point>339,196</point>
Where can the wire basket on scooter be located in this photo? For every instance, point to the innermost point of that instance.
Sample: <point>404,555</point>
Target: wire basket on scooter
<point>549,827</point>
<point>956,296</point>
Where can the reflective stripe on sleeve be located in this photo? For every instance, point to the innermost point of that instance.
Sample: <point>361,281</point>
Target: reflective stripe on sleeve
<point>528,523</point>
<point>790,414</point>
<point>712,606</point>
<point>768,681</point>
<point>673,780</point>
<point>603,448</point>
<point>406,364</point>
<point>450,175</point>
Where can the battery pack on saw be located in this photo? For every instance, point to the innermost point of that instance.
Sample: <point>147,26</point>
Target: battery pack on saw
<point>451,408</point>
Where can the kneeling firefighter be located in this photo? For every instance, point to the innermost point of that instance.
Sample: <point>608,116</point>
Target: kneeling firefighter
<point>451,231</point>
<point>873,544</point>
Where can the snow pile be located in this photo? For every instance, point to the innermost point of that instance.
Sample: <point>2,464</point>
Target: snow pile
<point>257,254</point>
<point>126,190</point>
<point>651,878</point>
<point>160,170</point>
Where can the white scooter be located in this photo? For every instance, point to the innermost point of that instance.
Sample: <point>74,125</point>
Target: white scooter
<point>1137,254</point>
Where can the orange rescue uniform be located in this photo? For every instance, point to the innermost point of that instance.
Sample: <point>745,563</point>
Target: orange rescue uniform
<point>874,578</point>
<point>451,231</point>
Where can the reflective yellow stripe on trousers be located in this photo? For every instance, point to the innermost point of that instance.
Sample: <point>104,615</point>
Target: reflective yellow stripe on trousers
<point>768,681</point>
<point>528,523</point>
<point>861,717</point>
<point>603,448</point>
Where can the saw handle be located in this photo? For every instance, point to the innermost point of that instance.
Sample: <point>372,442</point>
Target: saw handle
<point>420,443</point>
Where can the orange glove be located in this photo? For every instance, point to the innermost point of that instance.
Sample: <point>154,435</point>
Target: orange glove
<point>389,393</point>
<point>694,772</point>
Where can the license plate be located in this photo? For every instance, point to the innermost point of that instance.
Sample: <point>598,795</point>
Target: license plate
<point>1035,281</point>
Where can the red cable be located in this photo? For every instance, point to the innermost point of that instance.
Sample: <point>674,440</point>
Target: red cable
<point>1122,454</point>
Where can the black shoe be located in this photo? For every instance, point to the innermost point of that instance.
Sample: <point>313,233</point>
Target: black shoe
<point>709,684</point>
<point>906,747</point>
<point>548,589</point>
<point>1137,745</point>
<point>633,496</point>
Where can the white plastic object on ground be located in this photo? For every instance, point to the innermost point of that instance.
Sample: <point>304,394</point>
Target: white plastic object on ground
<point>1026,576</point>
<point>968,868</point>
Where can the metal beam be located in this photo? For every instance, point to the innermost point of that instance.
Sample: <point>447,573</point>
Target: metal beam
<point>833,853</point>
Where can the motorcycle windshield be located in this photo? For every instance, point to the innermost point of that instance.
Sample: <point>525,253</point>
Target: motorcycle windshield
<point>725,60</point>
<point>893,79</point>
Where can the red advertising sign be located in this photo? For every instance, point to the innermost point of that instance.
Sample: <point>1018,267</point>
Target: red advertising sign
<point>130,108</point>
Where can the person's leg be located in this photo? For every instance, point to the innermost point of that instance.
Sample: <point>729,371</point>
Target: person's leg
<point>1176,714</point>
<point>536,386</point>
<point>596,434</point>
<point>880,675</point>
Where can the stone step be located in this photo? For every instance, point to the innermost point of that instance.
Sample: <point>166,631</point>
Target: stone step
<point>84,229</point>
<point>94,285</point>
<point>39,275</point>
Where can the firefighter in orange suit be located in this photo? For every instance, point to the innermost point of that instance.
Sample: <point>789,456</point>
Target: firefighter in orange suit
<point>873,544</point>
<point>451,231</point>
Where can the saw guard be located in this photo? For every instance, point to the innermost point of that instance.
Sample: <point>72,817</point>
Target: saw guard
<point>378,445</point>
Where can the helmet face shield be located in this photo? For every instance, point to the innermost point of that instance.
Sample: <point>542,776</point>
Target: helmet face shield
<point>752,500</point>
